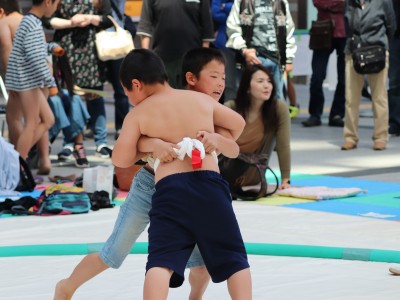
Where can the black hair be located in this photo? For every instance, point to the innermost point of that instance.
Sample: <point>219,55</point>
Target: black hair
<point>243,100</point>
<point>194,61</point>
<point>143,65</point>
<point>38,2</point>
<point>9,6</point>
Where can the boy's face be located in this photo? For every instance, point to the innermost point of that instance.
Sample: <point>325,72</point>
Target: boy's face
<point>211,80</point>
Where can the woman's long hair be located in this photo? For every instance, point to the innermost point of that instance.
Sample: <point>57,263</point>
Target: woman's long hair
<point>243,98</point>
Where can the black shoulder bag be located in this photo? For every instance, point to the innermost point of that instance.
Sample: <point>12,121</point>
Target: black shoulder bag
<point>366,59</point>
<point>235,170</point>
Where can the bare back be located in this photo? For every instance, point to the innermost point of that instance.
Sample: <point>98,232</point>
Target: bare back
<point>8,28</point>
<point>171,117</point>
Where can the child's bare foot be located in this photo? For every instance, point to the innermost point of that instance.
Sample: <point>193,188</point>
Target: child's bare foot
<point>61,292</point>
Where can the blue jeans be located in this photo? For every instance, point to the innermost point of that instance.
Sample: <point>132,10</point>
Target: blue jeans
<point>394,82</point>
<point>98,119</point>
<point>275,69</point>
<point>132,220</point>
<point>121,102</point>
<point>71,117</point>
<point>319,65</point>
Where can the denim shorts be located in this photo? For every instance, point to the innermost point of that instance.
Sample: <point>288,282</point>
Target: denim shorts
<point>132,220</point>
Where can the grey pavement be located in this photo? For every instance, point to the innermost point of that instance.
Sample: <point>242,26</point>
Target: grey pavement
<point>314,150</point>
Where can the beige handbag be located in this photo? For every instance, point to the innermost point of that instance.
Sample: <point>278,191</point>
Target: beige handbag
<point>112,45</point>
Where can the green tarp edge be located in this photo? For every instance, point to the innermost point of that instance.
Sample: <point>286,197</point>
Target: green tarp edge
<point>377,255</point>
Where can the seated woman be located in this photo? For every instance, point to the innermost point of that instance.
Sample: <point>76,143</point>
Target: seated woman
<point>267,121</point>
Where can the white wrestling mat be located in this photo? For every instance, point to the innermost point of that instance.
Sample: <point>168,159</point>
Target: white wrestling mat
<point>274,277</point>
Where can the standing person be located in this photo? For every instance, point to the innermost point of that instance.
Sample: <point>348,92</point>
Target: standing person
<point>172,28</point>
<point>394,76</point>
<point>220,10</point>
<point>75,24</point>
<point>178,208</point>
<point>121,103</point>
<point>328,10</point>
<point>263,33</point>
<point>203,69</point>
<point>367,23</point>
<point>28,60</point>
<point>267,120</point>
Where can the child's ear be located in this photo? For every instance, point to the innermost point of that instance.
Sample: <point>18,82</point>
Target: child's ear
<point>2,13</point>
<point>190,78</point>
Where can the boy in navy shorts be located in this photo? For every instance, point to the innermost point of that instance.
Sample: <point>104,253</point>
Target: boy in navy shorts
<point>192,203</point>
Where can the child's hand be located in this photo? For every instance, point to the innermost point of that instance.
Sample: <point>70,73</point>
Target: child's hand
<point>58,51</point>
<point>80,20</point>
<point>165,151</point>
<point>209,140</point>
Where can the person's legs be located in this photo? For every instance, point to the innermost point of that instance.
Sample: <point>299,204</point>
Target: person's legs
<point>377,83</point>
<point>230,74</point>
<point>174,70</point>
<point>121,102</point>
<point>337,108</point>
<point>239,285</point>
<point>156,283</point>
<point>394,86</point>
<point>198,276</point>
<point>276,73</point>
<point>131,222</point>
<point>319,64</point>
<point>14,117</point>
<point>38,118</point>
<point>98,123</point>
<point>354,83</point>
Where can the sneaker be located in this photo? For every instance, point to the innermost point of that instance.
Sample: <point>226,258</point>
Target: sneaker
<point>312,122</point>
<point>336,121</point>
<point>103,151</point>
<point>66,153</point>
<point>394,129</point>
<point>80,157</point>
<point>294,110</point>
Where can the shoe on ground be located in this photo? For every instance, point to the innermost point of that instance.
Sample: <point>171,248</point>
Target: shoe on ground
<point>103,151</point>
<point>294,110</point>
<point>80,157</point>
<point>379,146</point>
<point>89,134</point>
<point>336,121</point>
<point>394,129</point>
<point>348,146</point>
<point>311,122</point>
<point>394,271</point>
<point>66,153</point>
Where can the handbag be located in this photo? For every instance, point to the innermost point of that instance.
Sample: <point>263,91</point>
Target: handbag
<point>369,59</point>
<point>112,45</point>
<point>236,170</point>
<point>321,34</point>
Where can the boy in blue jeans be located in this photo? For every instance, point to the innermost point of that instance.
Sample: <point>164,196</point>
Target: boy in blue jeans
<point>203,69</point>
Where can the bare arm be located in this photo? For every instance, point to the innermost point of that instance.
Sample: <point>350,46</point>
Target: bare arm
<point>5,44</point>
<point>228,119</point>
<point>160,149</point>
<point>125,149</point>
<point>145,40</point>
<point>221,141</point>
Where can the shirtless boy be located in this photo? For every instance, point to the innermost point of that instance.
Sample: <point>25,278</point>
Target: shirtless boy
<point>188,204</point>
<point>204,70</point>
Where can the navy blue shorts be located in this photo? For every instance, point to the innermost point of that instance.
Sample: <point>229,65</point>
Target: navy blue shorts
<point>190,208</point>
